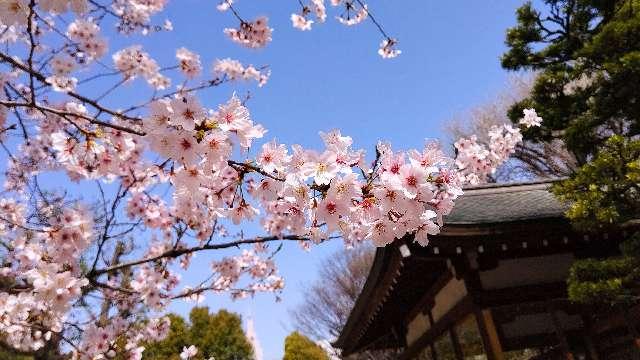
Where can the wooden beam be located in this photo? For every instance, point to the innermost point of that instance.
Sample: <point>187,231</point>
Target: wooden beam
<point>463,308</point>
<point>426,301</point>
<point>521,294</point>
<point>489,334</point>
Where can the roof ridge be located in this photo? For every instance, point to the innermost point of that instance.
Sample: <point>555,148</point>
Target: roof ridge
<point>515,183</point>
<point>508,187</point>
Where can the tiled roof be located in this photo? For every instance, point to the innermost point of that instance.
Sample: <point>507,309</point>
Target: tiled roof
<point>480,205</point>
<point>498,203</point>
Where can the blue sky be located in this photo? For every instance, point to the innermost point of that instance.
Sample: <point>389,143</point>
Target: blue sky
<point>332,77</point>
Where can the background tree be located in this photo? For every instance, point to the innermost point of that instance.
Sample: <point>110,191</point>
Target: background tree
<point>7,353</point>
<point>300,347</point>
<point>587,54</point>
<point>532,159</point>
<point>218,335</point>
<point>329,300</point>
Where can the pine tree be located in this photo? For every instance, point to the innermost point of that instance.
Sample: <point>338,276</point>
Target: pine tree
<point>587,54</point>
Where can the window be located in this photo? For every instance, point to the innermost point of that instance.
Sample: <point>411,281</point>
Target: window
<point>444,347</point>
<point>425,354</point>
<point>524,354</point>
<point>470,339</point>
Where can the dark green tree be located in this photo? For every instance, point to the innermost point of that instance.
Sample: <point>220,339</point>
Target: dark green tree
<point>8,354</point>
<point>218,335</point>
<point>300,347</point>
<point>587,54</point>
<point>604,193</point>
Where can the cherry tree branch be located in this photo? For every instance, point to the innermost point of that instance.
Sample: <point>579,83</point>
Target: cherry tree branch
<point>67,113</point>
<point>38,76</point>
<point>174,253</point>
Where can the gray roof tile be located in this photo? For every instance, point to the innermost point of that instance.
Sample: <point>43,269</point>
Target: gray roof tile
<point>498,203</point>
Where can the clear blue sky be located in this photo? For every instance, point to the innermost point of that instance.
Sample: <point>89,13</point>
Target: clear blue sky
<point>332,77</point>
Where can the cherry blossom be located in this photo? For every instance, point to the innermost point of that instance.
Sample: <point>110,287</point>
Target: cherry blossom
<point>300,22</point>
<point>273,157</point>
<point>387,49</point>
<point>476,161</point>
<point>189,62</point>
<point>359,16</point>
<point>14,12</point>
<point>133,62</point>
<point>62,64</point>
<point>87,35</point>
<point>255,34</point>
<point>62,6</point>
<point>234,70</point>
<point>188,352</point>
<point>224,5</point>
<point>303,22</point>
<point>136,14</point>
<point>530,118</point>
<point>62,83</point>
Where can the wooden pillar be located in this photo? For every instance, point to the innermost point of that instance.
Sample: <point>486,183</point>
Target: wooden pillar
<point>434,354</point>
<point>592,348</point>
<point>631,327</point>
<point>557,327</point>
<point>456,344</point>
<point>489,334</point>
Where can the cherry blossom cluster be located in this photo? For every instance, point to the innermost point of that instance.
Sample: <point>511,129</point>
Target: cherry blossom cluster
<point>257,34</point>
<point>14,12</point>
<point>387,49</point>
<point>352,15</point>
<point>101,341</point>
<point>530,118</point>
<point>303,22</point>
<point>44,268</point>
<point>476,161</point>
<point>136,15</point>
<point>189,352</point>
<point>189,63</point>
<point>261,271</point>
<point>306,193</point>
<point>62,83</point>
<point>234,70</point>
<point>133,62</point>
<point>86,36</point>
<point>254,34</point>
<point>61,6</point>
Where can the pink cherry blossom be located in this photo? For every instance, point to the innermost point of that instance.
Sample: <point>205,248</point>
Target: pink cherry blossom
<point>530,118</point>
<point>234,70</point>
<point>300,22</point>
<point>189,62</point>
<point>188,352</point>
<point>255,34</point>
<point>134,62</point>
<point>87,35</point>
<point>387,49</point>
<point>273,157</point>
